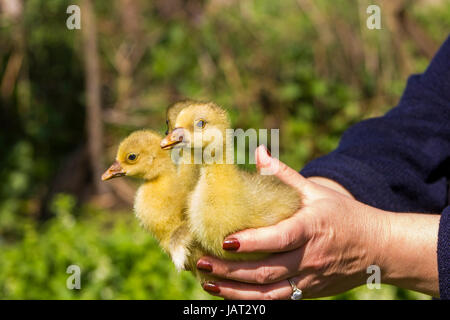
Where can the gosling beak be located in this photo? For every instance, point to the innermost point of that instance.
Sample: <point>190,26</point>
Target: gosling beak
<point>114,171</point>
<point>173,138</point>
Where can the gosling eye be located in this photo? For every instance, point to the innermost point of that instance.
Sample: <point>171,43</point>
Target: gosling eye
<point>132,157</point>
<point>200,123</point>
<point>167,130</point>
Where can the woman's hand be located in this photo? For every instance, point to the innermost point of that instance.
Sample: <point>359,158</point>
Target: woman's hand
<point>326,247</point>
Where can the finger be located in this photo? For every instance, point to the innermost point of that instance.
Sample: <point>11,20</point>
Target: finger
<point>272,269</point>
<point>286,235</point>
<point>234,290</point>
<point>268,165</point>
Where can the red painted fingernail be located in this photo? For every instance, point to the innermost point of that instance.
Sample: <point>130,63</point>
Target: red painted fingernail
<point>263,160</point>
<point>210,287</point>
<point>231,244</point>
<point>204,266</point>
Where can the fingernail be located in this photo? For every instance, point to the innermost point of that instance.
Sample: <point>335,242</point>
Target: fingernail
<point>264,157</point>
<point>231,244</point>
<point>204,266</point>
<point>210,287</point>
<point>267,150</point>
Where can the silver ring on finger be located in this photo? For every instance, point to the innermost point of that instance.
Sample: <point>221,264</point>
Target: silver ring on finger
<point>297,294</point>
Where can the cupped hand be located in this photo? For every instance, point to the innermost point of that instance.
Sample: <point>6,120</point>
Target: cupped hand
<point>325,247</point>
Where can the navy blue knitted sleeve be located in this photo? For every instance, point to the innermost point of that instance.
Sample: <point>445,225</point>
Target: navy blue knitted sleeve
<point>401,161</point>
<point>444,254</point>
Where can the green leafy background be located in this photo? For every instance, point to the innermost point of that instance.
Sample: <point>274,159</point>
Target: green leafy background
<point>310,68</point>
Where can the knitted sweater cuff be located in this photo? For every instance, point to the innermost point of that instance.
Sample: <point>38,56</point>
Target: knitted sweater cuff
<point>443,252</point>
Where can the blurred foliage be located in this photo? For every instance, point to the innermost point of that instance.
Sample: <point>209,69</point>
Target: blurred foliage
<point>118,260</point>
<point>310,68</point>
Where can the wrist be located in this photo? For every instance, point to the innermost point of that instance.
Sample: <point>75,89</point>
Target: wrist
<point>377,240</point>
<point>407,256</point>
<point>381,242</point>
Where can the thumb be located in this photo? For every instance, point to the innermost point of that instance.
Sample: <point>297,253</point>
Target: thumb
<point>273,166</point>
